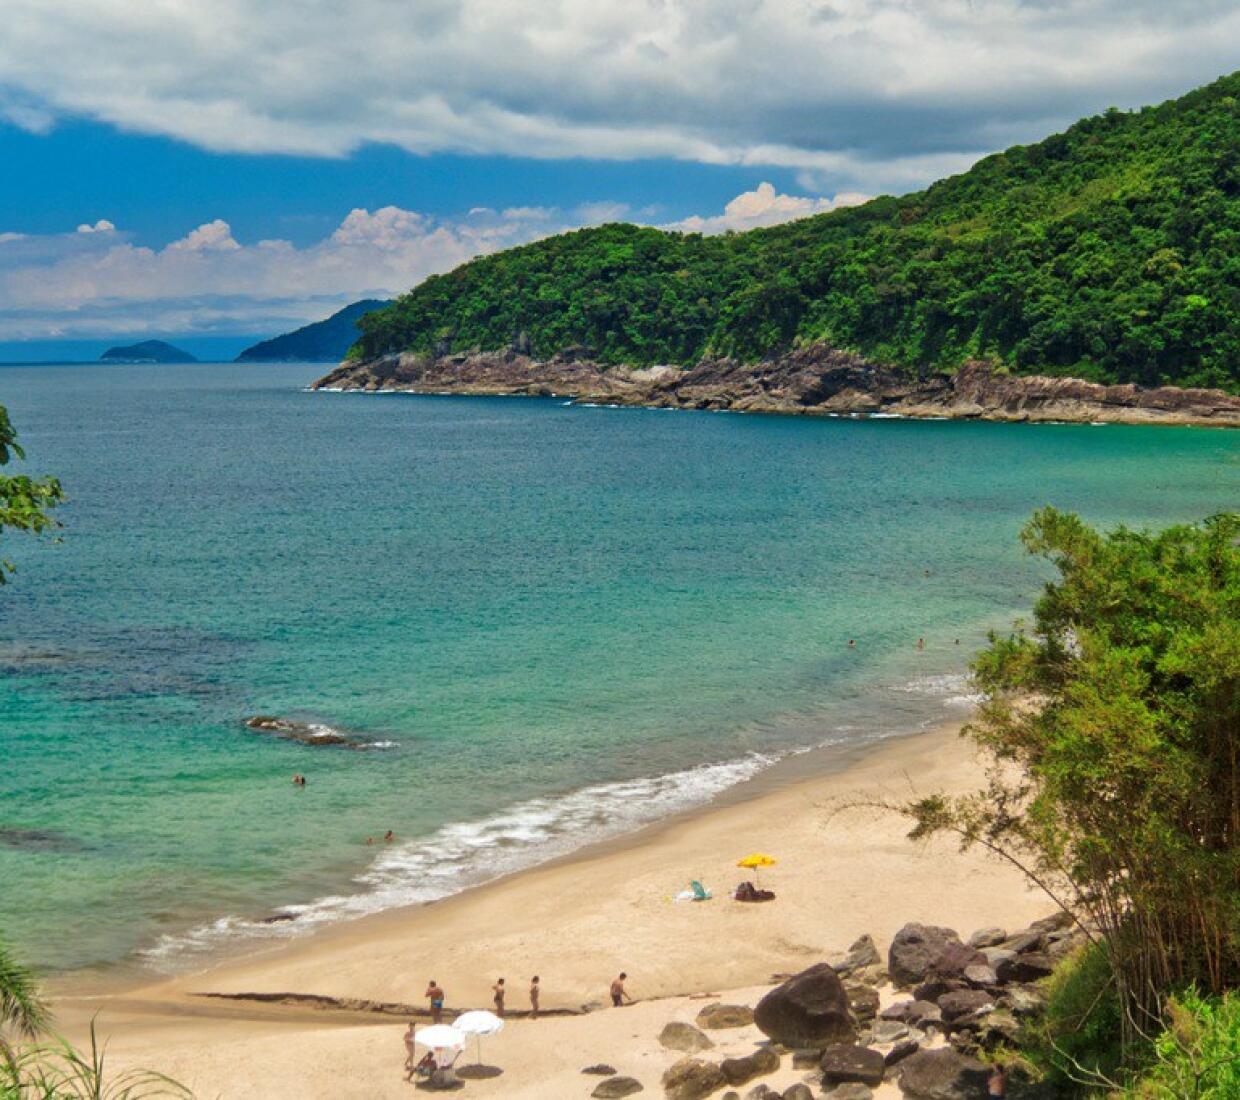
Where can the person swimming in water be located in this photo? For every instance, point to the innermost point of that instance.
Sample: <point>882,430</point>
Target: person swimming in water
<point>388,837</point>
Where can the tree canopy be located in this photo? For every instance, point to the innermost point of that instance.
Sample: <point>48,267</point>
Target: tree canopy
<point>25,502</point>
<point>1110,251</point>
<point>1114,725</point>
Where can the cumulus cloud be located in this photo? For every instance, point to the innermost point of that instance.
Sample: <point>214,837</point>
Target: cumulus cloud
<point>97,281</point>
<point>870,94</point>
<point>765,206</point>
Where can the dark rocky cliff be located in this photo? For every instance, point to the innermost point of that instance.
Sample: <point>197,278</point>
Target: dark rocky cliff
<point>813,380</point>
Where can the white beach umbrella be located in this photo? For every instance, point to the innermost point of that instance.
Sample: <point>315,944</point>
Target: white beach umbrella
<point>440,1037</point>
<point>478,1023</point>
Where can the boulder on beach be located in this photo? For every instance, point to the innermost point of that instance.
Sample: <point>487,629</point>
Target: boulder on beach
<point>844,1062</point>
<point>758,1064</point>
<point>809,1009</point>
<point>987,937</point>
<point>943,1074</point>
<point>718,1016</point>
<point>692,1079</point>
<point>862,955</point>
<point>600,1069</point>
<point>920,952</point>
<point>615,1087</point>
<point>964,1003</point>
<point>1028,967</point>
<point>683,1037</point>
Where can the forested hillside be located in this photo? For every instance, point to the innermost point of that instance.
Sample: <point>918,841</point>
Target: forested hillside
<point>1110,252</point>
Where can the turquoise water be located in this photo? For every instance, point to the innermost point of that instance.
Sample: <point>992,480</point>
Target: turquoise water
<point>548,624</point>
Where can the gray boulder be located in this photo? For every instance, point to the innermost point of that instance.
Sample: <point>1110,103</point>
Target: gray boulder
<point>809,1009</point>
<point>600,1069</point>
<point>914,1013</point>
<point>903,1049</point>
<point>762,1092</point>
<point>862,955</point>
<point>692,1079</point>
<point>982,977</point>
<point>1028,967</point>
<point>740,1070</point>
<point>987,937</point>
<point>963,1003</point>
<point>943,1074</point>
<point>850,1090</point>
<point>863,1000</point>
<point>718,1016</point>
<point>684,1037</point>
<point>797,1092</point>
<point>615,1087</point>
<point>889,1031</point>
<point>844,1062</point>
<point>920,951</point>
<point>1023,1000</point>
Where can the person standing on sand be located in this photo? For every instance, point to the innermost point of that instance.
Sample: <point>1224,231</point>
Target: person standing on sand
<point>498,991</point>
<point>437,998</point>
<point>411,1055</point>
<point>534,991</point>
<point>618,993</point>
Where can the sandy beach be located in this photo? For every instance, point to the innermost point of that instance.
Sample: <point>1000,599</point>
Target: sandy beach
<point>577,923</point>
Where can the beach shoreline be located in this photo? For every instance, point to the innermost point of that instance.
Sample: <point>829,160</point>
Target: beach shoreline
<point>579,920</point>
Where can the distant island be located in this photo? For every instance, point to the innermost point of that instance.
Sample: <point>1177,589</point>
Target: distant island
<point>1100,254</point>
<point>324,341</point>
<point>149,351</point>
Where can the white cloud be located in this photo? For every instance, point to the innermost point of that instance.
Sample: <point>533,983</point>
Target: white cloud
<point>97,281</point>
<point>214,236</point>
<point>764,206</point>
<point>872,94</point>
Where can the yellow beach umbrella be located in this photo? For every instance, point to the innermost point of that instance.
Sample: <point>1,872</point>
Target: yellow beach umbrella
<point>754,862</point>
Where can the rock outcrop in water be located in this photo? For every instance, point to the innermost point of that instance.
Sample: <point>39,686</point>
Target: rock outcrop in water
<point>307,733</point>
<point>816,380</point>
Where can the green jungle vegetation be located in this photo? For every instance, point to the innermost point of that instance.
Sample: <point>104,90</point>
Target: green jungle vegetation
<point>1110,252</point>
<point>1112,725</point>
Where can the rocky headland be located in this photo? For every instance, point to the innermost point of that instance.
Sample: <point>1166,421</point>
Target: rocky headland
<point>814,380</point>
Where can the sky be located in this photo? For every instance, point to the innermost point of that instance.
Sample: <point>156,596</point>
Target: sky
<point>215,171</point>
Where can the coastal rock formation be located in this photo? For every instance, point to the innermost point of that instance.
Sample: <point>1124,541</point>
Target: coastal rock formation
<point>814,379</point>
<point>809,1009</point>
<point>683,1037</point>
<point>307,733</point>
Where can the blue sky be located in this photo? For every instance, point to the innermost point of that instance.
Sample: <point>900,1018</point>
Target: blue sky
<point>229,169</point>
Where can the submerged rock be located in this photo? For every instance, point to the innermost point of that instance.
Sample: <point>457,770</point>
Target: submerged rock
<point>307,733</point>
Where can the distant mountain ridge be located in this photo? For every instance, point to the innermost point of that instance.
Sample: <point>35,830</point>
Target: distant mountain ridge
<point>1107,252</point>
<point>324,341</point>
<point>148,351</point>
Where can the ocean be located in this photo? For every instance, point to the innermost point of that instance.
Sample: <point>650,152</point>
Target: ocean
<point>541,625</point>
